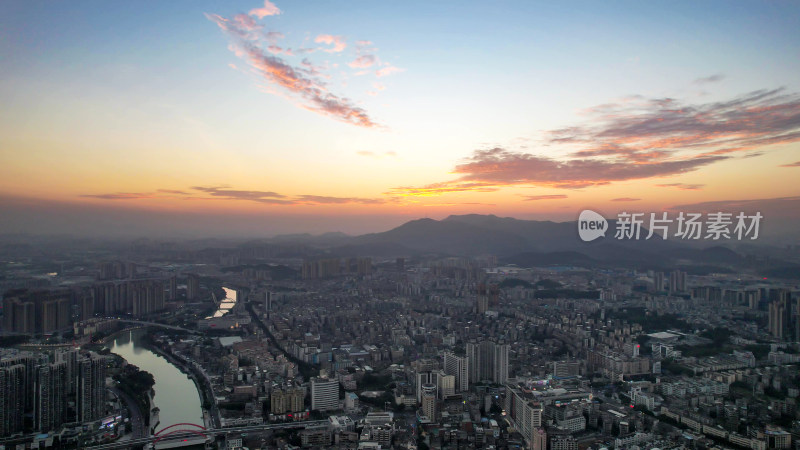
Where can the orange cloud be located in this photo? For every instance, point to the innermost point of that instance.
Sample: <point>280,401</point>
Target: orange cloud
<point>440,188</point>
<point>502,167</point>
<point>488,170</point>
<point>683,186</point>
<point>529,198</point>
<point>323,199</point>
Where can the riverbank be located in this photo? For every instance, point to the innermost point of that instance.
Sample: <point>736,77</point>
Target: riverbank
<point>178,393</point>
<point>201,382</point>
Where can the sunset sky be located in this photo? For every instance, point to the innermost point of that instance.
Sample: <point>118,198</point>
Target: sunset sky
<point>261,118</point>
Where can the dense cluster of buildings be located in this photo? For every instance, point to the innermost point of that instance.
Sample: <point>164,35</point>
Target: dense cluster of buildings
<point>432,352</point>
<point>332,267</point>
<point>53,388</point>
<point>117,290</point>
<point>37,312</point>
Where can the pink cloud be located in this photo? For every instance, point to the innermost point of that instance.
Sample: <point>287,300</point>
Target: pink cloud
<point>362,62</point>
<point>378,87</point>
<point>388,69</point>
<point>277,71</point>
<point>338,42</point>
<point>277,50</point>
<point>314,70</point>
<point>305,82</point>
<point>644,130</point>
<point>246,22</point>
<point>273,36</point>
<point>268,10</point>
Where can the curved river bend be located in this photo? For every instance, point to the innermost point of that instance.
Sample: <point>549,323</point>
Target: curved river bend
<point>176,394</point>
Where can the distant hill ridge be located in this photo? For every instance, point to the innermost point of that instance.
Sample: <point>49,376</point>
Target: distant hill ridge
<point>515,241</point>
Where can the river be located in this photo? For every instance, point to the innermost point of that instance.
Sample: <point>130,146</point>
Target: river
<point>176,394</point>
<point>225,306</point>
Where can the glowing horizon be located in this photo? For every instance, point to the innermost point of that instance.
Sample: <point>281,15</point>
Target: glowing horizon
<point>274,109</point>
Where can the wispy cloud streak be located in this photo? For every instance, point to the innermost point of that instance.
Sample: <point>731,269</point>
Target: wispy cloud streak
<point>441,188</point>
<point>532,198</point>
<point>304,81</point>
<point>642,129</point>
<point>683,186</point>
<point>488,170</point>
<point>227,193</point>
<point>121,196</point>
<point>710,79</point>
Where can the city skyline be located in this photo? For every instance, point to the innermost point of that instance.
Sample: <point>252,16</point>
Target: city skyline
<point>265,224</point>
<point>259,118</point>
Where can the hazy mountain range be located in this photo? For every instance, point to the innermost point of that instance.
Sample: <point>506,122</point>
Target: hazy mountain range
<point>532,243</point>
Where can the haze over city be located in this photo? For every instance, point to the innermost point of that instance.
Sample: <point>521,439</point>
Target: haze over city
<point>380,225</point>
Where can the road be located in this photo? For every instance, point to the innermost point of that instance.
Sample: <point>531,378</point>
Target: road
<point>207,386</point>
<point>137,421</point>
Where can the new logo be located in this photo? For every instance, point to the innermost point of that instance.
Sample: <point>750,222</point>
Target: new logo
<point>591,225</point>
